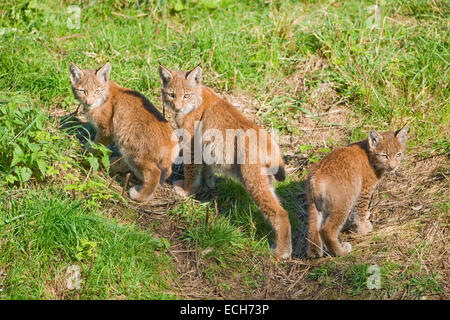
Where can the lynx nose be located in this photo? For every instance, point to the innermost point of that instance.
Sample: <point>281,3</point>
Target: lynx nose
<point>393,165</point>
<point>178,105</point>
<point>90,100</point>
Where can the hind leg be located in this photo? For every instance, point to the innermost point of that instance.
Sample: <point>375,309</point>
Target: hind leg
<point>166,164</point>
<point>332,227</point>
<point>151,175</point>
<point>259,189</point>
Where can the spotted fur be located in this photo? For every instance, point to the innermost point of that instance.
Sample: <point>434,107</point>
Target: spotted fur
<point>339,189</point>
<point>126,117</point>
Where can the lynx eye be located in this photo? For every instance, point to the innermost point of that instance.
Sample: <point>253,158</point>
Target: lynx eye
<point>187,96</point>
<point>170,94</point>
<point>398,155</point>
<point>83,91</point>
<point>384,156</point>
<point>98,91</point>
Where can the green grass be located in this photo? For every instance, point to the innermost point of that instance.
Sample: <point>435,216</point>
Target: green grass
<point>393,69</point>
<point>53,217</point>
<point>349,277</point>
<point>45,232</point>
<point>389,68</point>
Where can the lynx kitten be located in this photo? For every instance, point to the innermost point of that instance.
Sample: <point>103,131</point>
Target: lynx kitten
<point>131,121</point>
<point>198,111</point>
<point>340,187</point>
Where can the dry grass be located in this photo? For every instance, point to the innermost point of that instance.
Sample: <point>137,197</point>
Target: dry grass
<point>409,229</point>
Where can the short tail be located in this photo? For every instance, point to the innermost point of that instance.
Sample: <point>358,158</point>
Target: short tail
<point>275,162</point>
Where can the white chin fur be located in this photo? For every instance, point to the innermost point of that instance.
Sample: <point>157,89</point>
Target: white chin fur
<point>96,104</point>
<point>187,110</point>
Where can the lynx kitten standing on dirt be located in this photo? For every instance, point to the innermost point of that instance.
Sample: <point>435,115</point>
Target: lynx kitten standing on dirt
<point>340,187</point>
<point>200,111</point>
<point>131,121</point>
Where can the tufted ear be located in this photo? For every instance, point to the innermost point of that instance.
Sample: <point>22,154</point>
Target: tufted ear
<point>374,139</point>
<point>165,75</point>
<point>75,73</point>
<point>195,76</point>
<point>401,135</point>
<point>104,72</point>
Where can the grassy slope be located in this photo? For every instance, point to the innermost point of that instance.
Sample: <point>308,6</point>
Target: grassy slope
<point>387,69</point>
<point>54,232</point>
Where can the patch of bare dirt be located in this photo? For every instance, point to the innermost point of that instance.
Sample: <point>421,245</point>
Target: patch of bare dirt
<point>323,115</point>
<point>55,288</point>
<point>192,282</point>
<point>243,102</point>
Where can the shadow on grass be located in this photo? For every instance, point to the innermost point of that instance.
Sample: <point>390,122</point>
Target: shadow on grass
<point>292,194</point>
<point>232,200</point>
<point>229,198</point>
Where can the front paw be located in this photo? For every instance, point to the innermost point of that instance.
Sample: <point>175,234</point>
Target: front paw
<point>343,249</point>
<point>314,251</point>
<point>136,195</point>
<point>178,186</point>
<point>281,254</point>
<point>364,227</point>
<point>346,248</point>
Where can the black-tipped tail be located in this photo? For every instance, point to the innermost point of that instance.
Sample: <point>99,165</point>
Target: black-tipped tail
<point>281,174</point>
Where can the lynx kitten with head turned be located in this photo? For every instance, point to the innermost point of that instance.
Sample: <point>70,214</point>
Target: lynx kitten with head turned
<point>199,110</point>
<point>126,117</point>
<point>339,189</point>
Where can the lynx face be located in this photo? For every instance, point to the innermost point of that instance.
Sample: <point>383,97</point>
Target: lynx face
<point>181,91</point>
<point>386,150</point>
<point>90,87</point>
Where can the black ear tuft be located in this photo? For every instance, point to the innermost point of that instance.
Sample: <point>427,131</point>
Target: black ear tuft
<point>401,134</point>
<point>104,72</point>
<point>195,75</point>
<point>75,73</point>
<point>164,74</point>
<point>374,138</point>
<point>281,174</point>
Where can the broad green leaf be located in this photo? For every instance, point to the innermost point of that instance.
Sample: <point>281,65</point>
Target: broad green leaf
<point>18,155</point>
<point>42,165</point>
<point>41,121</point>
<point>23,173</point>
